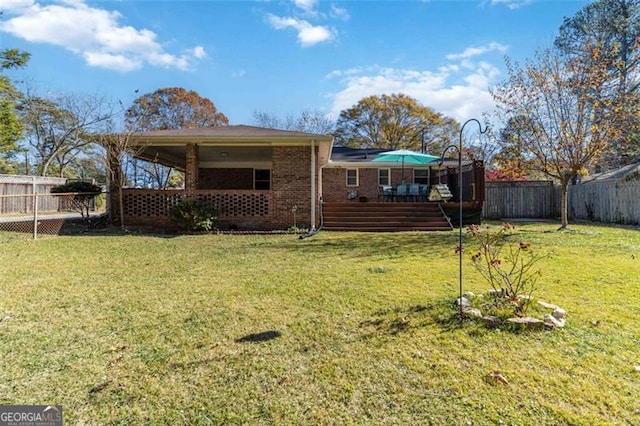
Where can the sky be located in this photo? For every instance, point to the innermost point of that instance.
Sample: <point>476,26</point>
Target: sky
<point>284,56</point>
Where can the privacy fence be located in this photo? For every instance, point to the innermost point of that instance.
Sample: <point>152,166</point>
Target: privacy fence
<point>27,205</point>
<point>14,190</point>
<point>610,201</point>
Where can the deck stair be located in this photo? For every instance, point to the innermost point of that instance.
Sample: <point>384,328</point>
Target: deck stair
<point>384,217</point>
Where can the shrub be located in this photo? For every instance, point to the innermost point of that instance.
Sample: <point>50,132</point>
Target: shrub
<point>194,215</point>
<point>507,267</point>
<point>85,192</point>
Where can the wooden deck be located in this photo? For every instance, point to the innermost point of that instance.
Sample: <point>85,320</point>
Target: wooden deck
<point>384,217</point>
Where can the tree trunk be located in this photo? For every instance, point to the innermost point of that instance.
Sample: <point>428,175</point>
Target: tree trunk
<point>564,205</point>
<point>114,172</point>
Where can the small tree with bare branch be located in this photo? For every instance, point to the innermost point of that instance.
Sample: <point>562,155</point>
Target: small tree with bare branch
<point>570,112</point>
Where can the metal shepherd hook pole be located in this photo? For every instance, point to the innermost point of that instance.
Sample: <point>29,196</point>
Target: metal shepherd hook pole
<point>459,249</point>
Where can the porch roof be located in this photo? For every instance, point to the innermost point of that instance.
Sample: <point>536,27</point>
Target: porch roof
<point>168,146</point>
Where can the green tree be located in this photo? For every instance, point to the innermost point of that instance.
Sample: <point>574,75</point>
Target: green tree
<point>394,121</point>
<point>614,26</point>
<point>10,126</point>
<point>173,108</point>
<point>566,127</point>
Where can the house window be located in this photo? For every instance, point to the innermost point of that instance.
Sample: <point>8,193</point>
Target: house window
<point>384,177</point>
<point>352,177</point>
<point>421,176</point>
<point>262,179</point>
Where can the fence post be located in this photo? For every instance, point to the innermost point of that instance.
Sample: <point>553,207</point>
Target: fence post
<point>35,216</point>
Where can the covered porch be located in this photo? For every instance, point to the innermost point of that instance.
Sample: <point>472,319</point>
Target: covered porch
<point>257,178</point>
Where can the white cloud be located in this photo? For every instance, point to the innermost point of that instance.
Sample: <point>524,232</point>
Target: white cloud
<point>470,52</point>
<point>511,4</point>
<point>93,33</point>
<point>198,52</point>
<point>308,34</point>
<point>15,6</point>
<point>109,61</point>
<point>306,5</point>
<point>460,93</point>
<point>339,13</point>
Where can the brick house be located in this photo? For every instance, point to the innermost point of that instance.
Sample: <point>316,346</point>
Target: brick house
<point>267,179</point>
<point>352,174</point>
<point>258,178</point>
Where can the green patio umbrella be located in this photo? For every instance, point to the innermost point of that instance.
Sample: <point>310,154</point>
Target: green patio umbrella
<point>405,156</point>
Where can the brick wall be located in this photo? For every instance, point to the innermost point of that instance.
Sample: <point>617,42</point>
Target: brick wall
<point>335,189</point>
<point>291,186</point>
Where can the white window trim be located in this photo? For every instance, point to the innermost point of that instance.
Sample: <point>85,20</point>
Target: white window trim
<point>388,176</point>
<point>414,173</point>
<point>346,177</point>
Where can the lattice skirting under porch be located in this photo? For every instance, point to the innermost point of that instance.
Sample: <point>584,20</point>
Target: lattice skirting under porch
<point>152,206</point>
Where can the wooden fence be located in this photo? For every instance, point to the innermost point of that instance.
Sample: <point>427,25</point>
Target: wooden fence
<point>521,199</point>
<point>14,187</point>
<point>609,201</point>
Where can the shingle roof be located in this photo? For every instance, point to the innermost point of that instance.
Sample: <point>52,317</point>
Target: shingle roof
<point>237,131</point>
<point>342,153</point>
<point>622,172</point>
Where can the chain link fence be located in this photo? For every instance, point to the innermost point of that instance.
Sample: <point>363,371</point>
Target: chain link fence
<point>32,215</point>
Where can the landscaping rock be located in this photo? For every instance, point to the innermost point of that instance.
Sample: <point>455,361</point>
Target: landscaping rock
<point>472,312</point>
<point>528,323</point>
<point>553,321</point>
<point>496,293</point>
<point>491,321</point>
<point>468,295</point>
<point>547,305</point>
<point>559,313</point>
<point>462,301</point>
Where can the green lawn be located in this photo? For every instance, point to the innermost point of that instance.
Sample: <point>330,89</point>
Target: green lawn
<point>358,329</point>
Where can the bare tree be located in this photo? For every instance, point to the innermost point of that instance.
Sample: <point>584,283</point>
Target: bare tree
<point>58,129</point>
<point>309,121</point>
<point>118,145</point>
<point>566,126</point>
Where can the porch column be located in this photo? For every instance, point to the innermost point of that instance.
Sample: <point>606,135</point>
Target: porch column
<point>191,169</point>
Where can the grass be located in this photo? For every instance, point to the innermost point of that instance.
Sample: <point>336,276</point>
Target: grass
<point>341,328</point>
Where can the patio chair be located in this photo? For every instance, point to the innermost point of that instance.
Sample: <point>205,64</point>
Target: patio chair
<point>414,191</point>
<point>385,192</point>
<point>424,192</point>
<point>402,191</point>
